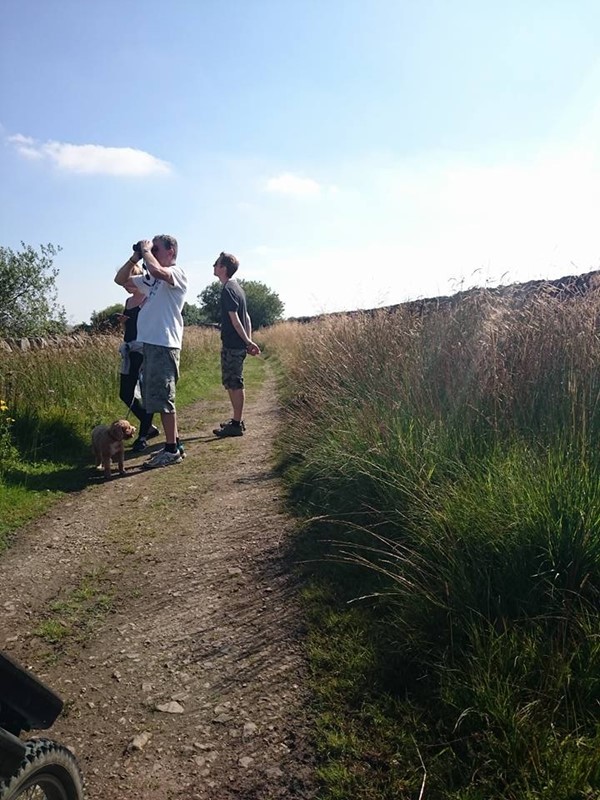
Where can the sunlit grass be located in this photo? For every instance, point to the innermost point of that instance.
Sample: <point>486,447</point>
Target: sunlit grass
<point>56,397</point>
<point>451,460</point>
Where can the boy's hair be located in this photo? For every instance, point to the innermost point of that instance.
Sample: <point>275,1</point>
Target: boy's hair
<point>168,241</point>
<point>230,263</point>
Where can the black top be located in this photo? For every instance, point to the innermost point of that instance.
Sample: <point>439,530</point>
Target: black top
<point>233,298</point>
<point>130,333</point>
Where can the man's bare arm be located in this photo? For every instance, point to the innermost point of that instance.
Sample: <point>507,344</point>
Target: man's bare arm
<point>152,265</point>
<point>127,271</point>
<point>251,346</point>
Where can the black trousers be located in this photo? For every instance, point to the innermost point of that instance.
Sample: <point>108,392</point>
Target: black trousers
<point>127,393</point>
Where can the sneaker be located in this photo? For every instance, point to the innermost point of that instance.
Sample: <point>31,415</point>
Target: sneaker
<point>163,459</point>
<point>229,421</point>
<point>153,432</point>
<point>139,445</point>
<point>229,429</point>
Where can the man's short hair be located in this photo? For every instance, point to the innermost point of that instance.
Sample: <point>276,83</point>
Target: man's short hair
<point>230,263</point>
<point>168,241</point>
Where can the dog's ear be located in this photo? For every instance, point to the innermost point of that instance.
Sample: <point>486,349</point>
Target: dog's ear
<point>116,431</point>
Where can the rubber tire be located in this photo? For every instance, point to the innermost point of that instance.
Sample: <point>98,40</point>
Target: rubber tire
<point>49,766</point>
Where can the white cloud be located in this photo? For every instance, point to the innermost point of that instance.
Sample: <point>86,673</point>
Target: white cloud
<point>25,146</point>
<point>91,159</point>
<point>293,185</point>
<point>421,229</point>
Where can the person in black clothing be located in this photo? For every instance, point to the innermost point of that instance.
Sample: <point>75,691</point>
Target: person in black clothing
<point>236,341</point>
<point>132,355</point>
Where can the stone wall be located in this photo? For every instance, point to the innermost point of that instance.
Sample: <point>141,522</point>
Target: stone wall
<point>79,338</point>
<point>57,342</point>
<point>561,289</point>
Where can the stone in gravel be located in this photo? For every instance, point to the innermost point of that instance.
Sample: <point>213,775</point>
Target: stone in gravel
<point>274,772</point>
<point>250,729</point>
<point>170,708</point>
<point>139,741</point>
<point>246,761</point>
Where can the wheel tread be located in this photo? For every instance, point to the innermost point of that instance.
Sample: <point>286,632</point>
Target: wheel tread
<point>44,755</point>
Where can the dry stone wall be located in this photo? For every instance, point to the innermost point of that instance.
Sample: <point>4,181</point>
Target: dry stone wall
<point>566,288</point>
<point>39,342</point>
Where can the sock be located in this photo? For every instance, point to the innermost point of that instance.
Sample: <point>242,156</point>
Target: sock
<point>171,448</point>
<point>235,423</point>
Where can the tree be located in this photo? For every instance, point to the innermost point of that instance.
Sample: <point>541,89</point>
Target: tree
<point>210,302</point>
<point>264,305</point>
<point>107,318</point>
<point>192,315</point>
<point>28,295</point>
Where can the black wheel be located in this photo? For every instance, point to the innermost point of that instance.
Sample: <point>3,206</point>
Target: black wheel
<point>48,772</point>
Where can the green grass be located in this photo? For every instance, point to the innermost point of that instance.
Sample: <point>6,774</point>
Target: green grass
<point>56,397</point>
<point>73,618</point>
<point>449,468</point>
<point>28,490</point>
<point>362,751</point>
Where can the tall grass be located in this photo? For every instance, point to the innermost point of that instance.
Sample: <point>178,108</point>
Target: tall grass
<point>453,456</point>
<point>56,395</point>
<point>50,399</point>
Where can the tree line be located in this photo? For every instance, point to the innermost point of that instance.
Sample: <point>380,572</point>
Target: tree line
<point>29,298</point>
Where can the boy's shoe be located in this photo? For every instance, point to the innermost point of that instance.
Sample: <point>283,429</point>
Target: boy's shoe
<point>163,459</point>
<point>139,445</point>
<point>229,421</point>
<point>153,432</point>
<point>229,429</point>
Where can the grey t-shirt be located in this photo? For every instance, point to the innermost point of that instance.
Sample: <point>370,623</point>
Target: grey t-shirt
<point>233,298</point>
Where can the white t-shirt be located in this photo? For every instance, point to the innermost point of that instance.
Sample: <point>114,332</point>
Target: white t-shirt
<point>160,321</point>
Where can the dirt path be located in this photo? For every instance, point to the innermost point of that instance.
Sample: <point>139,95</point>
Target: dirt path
<point>170,589</point>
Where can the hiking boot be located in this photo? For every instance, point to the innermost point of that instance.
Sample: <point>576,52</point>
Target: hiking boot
<point>163,459</point>
<point>139,445</point>
<point>229,421</point>
<point>229,429</point>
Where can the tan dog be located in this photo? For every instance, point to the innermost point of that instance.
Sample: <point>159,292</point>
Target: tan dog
<point>107,443</point>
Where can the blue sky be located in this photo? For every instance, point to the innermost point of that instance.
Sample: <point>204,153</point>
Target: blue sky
<point>351,154</point>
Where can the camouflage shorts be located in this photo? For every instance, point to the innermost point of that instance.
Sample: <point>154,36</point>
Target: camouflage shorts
<point>160,375</point>
<point>232,367</point>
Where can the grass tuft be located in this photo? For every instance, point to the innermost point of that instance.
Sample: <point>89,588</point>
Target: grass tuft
<point>448,467</point>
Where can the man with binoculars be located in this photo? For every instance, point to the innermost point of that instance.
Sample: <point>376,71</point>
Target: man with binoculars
<point>160,329</point>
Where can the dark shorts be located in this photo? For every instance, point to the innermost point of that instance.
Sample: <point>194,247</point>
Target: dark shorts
<point>232,367</point>
<point>160,375</point>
